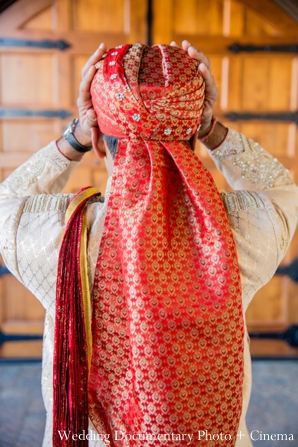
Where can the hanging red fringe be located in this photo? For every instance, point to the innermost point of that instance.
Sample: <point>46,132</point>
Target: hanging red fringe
<point>70,370</point>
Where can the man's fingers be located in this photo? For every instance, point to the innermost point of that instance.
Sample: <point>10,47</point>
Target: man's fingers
<point>186,45</point>
<point>195,53</point>
<point>87,79</point>
<point>174,44</point>
<point>84,91</point>
<point>199,56</point>
<point>210,87</point>
<point>209,80</point>
<point>96,56</point>
<point>204,70</point>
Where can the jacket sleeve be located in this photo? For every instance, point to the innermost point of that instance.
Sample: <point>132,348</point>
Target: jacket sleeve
<point>32,219</point>
<point>262,209</point>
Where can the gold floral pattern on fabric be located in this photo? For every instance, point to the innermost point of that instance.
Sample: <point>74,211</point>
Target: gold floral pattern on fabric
<point>167,311</point>
<point>143,111</point>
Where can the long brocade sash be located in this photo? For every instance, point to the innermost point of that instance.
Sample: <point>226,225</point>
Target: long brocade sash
<point>73,338</point>
<point>167,320</point>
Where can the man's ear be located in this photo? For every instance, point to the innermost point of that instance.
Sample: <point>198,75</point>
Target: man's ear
<point>98,142</point>
<point>193,141</point>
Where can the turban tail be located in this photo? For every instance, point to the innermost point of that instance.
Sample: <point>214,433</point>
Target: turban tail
<point>167,324</point>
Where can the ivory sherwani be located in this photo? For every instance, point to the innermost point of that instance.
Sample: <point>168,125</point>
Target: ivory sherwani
<point>262,211</point>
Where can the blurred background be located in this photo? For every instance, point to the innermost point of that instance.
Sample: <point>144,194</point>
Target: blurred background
<point>253,48</point>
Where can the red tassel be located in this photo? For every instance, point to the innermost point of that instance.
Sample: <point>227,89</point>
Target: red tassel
<point>70,371</point>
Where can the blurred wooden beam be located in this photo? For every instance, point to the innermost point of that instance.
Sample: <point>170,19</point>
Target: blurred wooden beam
<point>80,42</point>
<point>21,11</point>
<point>273,13</point>
<point>220,44</point>
<point>86,43</point>
<point>290,6</point>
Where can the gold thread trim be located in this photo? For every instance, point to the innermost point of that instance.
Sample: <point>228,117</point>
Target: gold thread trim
<point>241,201</point>
<point>86,289</point>
<point>86,194</point>
<point>78,200</point>
<point>45,203</point>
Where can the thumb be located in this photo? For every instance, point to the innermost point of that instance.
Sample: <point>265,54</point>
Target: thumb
<point>91,115</point>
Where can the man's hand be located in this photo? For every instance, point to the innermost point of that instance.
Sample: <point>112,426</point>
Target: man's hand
<point>211,91</point>
<point>87,115</point>
<point>86,130</point>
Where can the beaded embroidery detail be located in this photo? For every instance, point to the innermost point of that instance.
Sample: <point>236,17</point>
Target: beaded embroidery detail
<point>256,165</point>
<point>229,147</point>
<point>136,116</point>
<point>270,171</point>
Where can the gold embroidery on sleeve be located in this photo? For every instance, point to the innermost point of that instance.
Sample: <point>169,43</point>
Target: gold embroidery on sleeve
<point>256,165</point>
<point>241,200</point>
<point>23,177</point>
<point>231,146</point>
<point>45,202</point>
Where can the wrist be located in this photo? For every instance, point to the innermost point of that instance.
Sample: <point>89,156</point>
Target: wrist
<point>65,149</point>
<point>215,136</point>
<point>205,127</point>
<point>204,136</point>
<point>69,136</point>
<point>81,136</point>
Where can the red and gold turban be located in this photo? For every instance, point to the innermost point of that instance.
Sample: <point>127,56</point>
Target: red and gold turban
<point>167,313</point>
<point>167,323</point>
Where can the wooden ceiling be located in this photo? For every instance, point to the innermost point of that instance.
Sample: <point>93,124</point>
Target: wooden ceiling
<point>290,7</point>
<point>5,4</point>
